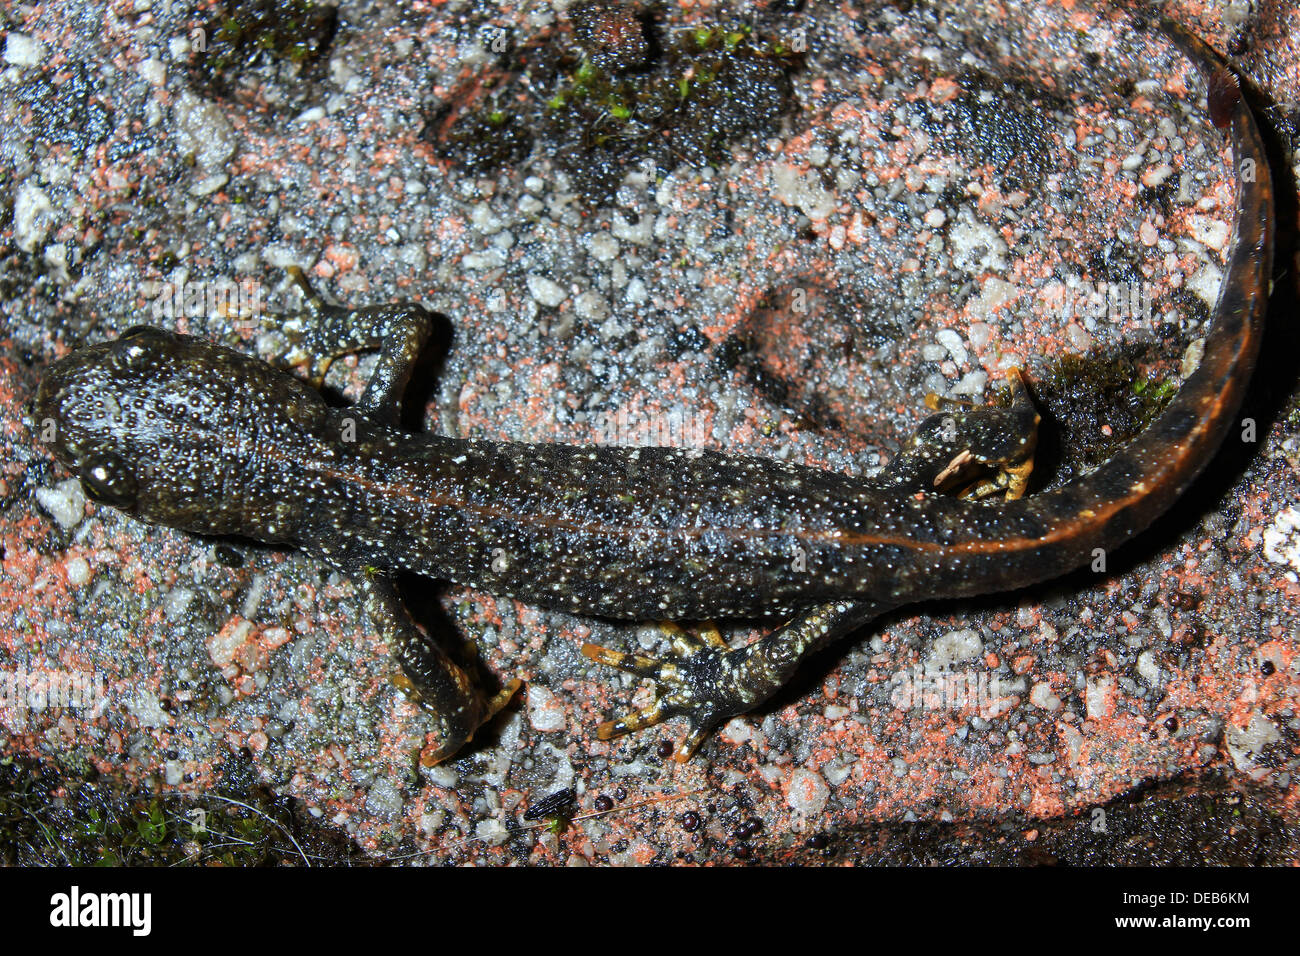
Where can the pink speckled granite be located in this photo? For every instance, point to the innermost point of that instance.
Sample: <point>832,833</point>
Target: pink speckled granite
<point>1181,660</point>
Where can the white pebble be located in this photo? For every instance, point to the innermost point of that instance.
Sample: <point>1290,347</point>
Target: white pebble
<point>1246,744</point>
<point>492,832</point>
<point>1210,232</point>
<point>963,645</point>
<point>1157,174</point>
<point>205,133</point>
<point>807,792</point>
<point>22,50</point>
<point>176,602</point>
<point>951,341</point>
<point>546,292</point>
<point>209,184</point>
<point>77,570</point>
<point>1205,282</point>
<point>591,305</point>
<point>545,710</point>
<point>483,219</point>
<point>1081,339</point>
<point>32,217</point>
<point>153,71</point>
<point>1148,668</point>
<point>638,234</point>
<point>1040,695</point>
<point>602,246</point>
<point>636,292</point>
<point>65,502</point>
<point>972,384</point>
<point>486,259</point>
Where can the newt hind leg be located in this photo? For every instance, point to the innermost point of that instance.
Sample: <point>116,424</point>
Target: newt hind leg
<point>706,681</point>
<point>984,450</point>
<point>979,452</point>
<point>682,683</point>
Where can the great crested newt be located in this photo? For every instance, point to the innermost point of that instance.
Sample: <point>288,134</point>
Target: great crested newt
<point>179,432</point>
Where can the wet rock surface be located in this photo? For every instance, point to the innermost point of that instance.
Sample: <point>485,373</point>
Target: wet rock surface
<point>938,182</point>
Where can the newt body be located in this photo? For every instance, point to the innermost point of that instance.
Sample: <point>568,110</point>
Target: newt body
<point>180,432</point>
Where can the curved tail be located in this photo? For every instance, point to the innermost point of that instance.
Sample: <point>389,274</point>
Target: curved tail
<point>1044,536</point>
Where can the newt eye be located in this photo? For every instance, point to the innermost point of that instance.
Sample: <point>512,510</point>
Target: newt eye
<point>108,480</point>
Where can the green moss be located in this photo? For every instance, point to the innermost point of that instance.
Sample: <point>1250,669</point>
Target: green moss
<point>49,818</point>
<point>618,92</point>
<point>1094,406</point>
<point>1293,417</point>
<point>245,34</point>
<point>293,30</point>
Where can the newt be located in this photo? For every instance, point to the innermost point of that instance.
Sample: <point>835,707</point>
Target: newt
<point>180,432</point>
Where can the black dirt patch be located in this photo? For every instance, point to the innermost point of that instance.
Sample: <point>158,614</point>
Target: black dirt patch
<point>796,334</point>
<point>1213,821</point>
<point>619,90</point>
<point>1094,406</point>
<point>1000,123</point>
<point>65,108</point>
<point>248,42</point>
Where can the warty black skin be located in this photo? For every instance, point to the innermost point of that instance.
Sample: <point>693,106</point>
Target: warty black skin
<point>206,439</point>
<point>180,432</point>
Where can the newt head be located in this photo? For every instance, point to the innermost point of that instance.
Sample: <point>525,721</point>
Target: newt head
<point>89,411</point>
<point>156,424</point>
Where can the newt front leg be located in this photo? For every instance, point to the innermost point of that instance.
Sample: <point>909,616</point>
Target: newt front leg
<point>399,331</point>
<point>455,704</point>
